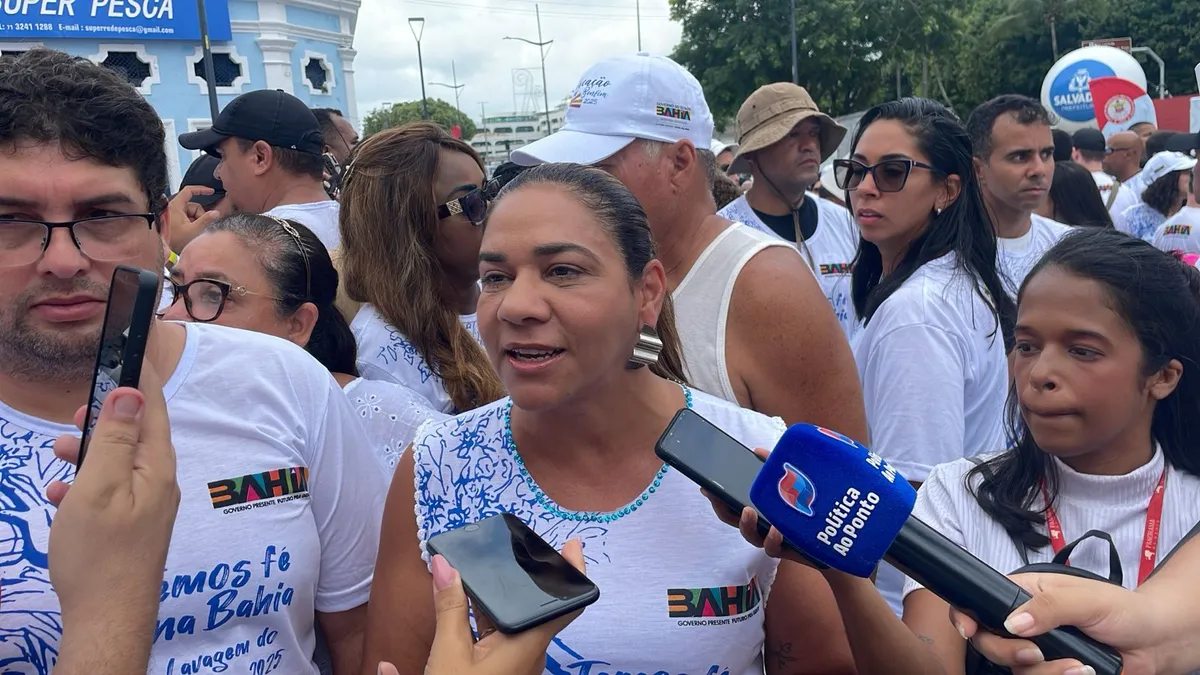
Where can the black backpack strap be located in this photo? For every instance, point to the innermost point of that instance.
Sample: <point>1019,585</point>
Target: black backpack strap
<point>1115,574</point>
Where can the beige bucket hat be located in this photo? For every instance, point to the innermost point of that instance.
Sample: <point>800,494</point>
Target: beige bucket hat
<point>771,112</point>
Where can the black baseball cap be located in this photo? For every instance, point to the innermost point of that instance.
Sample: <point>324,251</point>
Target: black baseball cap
<point>272,116</point>
<point>1089,139</point>
<point>1188,144</point>
<point>202,172</point>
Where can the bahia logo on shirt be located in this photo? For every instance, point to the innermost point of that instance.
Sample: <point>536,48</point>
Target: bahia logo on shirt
<point>256,490</point>
<point>1070,96</point>
<point>796,490</point>
<point>714,606</point>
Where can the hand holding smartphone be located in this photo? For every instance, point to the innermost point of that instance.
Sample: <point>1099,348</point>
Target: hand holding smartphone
<point>717,462</point>
<point>516,579</point>
<point>132,298</point>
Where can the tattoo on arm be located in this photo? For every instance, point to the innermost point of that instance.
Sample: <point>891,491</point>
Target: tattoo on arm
<point>780,654</point>
<point>925,638</point>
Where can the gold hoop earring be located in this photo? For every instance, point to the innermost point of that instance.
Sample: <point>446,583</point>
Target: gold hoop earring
<point>646,349</point>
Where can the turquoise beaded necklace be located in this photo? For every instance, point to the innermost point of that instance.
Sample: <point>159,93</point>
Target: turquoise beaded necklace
<point>580,516</point>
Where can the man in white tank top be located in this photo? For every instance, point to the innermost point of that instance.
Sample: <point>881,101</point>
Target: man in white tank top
<point>782,139</point>
<point>755,326</point>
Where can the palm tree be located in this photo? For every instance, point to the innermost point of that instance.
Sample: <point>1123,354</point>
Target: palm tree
<point>1020,17</point>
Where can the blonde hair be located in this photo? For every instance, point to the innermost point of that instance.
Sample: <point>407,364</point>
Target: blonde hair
<point>389,223</point>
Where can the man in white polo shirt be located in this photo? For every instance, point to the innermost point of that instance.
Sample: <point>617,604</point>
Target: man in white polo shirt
<point>755,326</point>
<point>782,140</point>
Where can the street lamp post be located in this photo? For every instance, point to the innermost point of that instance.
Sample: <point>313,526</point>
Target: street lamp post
<point>415,23</point>
<point>542,51</point>
<point>209,72</point>
<point>456,86</point>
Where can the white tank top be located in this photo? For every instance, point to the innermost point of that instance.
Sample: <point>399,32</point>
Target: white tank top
<point>702,305</point>
<point>680,592</point>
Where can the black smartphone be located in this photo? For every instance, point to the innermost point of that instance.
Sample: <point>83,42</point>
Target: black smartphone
<point>715,461</point>
<point>132,299</point>
<point>712,459</point>
<point>511,574</point>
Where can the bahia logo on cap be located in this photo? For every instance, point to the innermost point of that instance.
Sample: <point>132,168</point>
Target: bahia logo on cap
<point>796,490</point>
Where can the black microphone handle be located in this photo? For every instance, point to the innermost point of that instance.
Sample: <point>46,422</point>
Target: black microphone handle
<point>982,593</point>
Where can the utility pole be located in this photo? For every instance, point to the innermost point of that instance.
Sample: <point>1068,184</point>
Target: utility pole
<point>456,86</point>
<point>795,62</point>
<point>487,145</point>
<point>210,74</point>
<point>541,45</point>
<point>639,24</point>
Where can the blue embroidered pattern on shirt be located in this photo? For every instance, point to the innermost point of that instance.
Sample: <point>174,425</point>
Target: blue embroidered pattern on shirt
<point>29,637</point>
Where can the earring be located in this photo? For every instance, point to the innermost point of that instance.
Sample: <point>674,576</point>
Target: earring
<point>937,210</point>
<point>646,350</point>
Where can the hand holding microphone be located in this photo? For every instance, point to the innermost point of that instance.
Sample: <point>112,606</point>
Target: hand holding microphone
<point>845,507</point>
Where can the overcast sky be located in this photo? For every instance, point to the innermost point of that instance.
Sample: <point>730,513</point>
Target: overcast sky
<point>470,33</point>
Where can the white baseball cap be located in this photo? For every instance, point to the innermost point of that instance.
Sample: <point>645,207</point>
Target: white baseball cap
<point>1163,163</point>
<point>620,100</point>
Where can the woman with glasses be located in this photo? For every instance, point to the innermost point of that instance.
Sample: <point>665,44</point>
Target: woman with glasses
<point>413,200</point>
<point>274,276</point>
<point>931,350</point>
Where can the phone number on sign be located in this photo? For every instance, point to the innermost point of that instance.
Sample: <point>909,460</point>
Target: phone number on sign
<point>77,28</point>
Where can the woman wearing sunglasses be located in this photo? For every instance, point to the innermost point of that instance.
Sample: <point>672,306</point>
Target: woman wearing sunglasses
<point>931,353</point>
<point>274,276</point>
<point>413,200</point>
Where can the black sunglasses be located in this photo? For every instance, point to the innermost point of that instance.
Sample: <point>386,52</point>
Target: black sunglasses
<point>473,205</point>
<point>890,175</point>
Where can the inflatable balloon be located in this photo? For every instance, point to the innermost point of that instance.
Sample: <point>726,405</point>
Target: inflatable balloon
<point>1065,91</point>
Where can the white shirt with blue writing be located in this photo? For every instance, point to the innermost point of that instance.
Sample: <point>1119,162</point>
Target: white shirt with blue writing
<point>281,498</point>
<point>830,251</point>
<point>384,353</point>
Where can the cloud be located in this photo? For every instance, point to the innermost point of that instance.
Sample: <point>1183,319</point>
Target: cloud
<point>470,33</point>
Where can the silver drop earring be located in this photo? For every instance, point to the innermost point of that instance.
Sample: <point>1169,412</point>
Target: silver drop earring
<point>646,350</point>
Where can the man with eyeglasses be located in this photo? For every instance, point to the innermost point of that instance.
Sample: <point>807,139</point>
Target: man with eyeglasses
<point>1014,159</point>
<point>782,140</point>
<point>270,148</point>
<point>281,498</point>
<point>1089,151</point>
<point>755,326</point>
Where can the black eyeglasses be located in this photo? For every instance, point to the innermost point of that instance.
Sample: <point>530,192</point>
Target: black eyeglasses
<point>103,238</point>
<point>473,205</point>
<point>890,175</point>
<point>204,299</point>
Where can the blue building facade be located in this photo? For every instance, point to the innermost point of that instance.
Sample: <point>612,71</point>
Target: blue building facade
<point>304,47</point>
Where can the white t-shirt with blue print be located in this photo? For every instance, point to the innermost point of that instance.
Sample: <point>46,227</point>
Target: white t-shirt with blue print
<point>384,353</point>
<point>681,592</point>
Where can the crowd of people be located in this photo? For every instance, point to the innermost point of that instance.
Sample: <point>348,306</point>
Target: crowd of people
<point>361,345</point>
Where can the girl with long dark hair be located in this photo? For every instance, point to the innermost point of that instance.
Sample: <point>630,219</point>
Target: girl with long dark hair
<point>931,353</point>
<point>1105,413</point>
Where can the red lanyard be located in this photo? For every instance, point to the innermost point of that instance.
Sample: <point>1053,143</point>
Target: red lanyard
<point>1149,539</point>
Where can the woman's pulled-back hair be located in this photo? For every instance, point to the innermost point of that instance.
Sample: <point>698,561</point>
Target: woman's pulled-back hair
<point>626,223</point>
<point>298,275</point>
